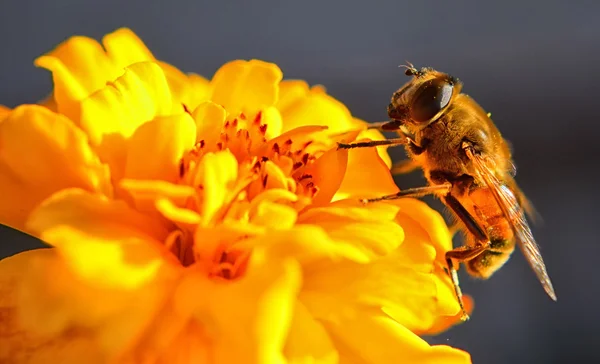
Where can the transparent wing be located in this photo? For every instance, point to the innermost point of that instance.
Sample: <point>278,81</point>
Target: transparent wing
<point>512,211</point>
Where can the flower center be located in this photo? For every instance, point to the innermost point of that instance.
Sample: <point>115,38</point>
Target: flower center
<point>238,177</point>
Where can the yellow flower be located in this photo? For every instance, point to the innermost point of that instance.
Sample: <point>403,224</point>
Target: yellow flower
<point>208,222</point>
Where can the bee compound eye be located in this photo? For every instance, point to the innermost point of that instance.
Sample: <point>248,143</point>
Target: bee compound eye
<point>431,98</point>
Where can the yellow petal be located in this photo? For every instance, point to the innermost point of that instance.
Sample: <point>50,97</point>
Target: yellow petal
<point>79,67</point>
<point>375,338</point>
<point>111,115</point>
<point>217,173</point>
<point>291,91</point>
<point>155,149</point>
<point>209,118</point>
<point>145,194</point>
<point>430,221</point>
<point>125,48</point>
<point>19,345</point>
<point>104,241</point>
<point>40,153</point>
<point>252,332</point>
<point>405,283</point>
<point>314,108</point>
<point>189,89</point>
<point>138,96</point>
<point>246,86</point>
<point>371,229</point>
<point>308,341</point>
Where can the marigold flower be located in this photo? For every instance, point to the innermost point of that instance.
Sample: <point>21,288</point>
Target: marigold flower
<point>208,221</point>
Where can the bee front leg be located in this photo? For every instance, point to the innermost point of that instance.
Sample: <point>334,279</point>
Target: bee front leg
<point>412,192</point>
<point>373,143</point>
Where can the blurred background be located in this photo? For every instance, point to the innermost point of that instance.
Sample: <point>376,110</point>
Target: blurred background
<point>533,65</point>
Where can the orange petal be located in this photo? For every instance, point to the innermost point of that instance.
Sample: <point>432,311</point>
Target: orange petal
<point>4,111</point>
<point>155,149</point>
<point>379,339</point>
<point>366,176</point>
<point>246,86</point>
<point>40,153</point>
<point>20,345</point>
<point>372,134</point>
<point>328,172</point>
<point>252,332</point>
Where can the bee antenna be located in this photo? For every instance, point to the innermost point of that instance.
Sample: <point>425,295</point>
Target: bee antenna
<point>411,70</point>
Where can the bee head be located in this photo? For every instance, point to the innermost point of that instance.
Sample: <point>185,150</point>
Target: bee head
<point>424,98</point>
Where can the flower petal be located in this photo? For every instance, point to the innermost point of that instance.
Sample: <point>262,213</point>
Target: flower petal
<point>4,111</point>
<point>217,173</point>
<point>79,67</point>
<point>189,89</point>
<point>308,341</point>
<point>405,283</point>
<point>164,138</point>
<point>301,107</point>
<point>125,48</point>
<point>141,94</point>
<point>104,241</point>
<point>327,173</point>
<point>255,331</point>
<point>373,134</point>
<point>375,338</point>
<point>371,229</point>
<point>40,153</point>
<point>19,345</point>
<point>209,118</point>
<point>366,176</point>
<point>111,115</point>
<point>246,86</point>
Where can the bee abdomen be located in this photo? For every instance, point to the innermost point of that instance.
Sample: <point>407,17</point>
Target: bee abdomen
<point>487,263</point>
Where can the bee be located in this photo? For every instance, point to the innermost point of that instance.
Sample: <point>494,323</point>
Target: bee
<point>468,165</point>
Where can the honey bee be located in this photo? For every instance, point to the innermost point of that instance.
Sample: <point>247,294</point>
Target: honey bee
<point>469,167</point>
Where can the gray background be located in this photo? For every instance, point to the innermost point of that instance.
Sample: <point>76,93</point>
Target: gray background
<point>533,64</point>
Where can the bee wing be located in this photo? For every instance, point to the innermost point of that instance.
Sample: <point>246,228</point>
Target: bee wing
<point>511,209</point>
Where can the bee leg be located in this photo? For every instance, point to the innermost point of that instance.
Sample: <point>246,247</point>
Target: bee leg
<point>464,253</point>
<point>373,143</point>
<point>389,125</point>
<point>404,166</point>
<point>411,192</point>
